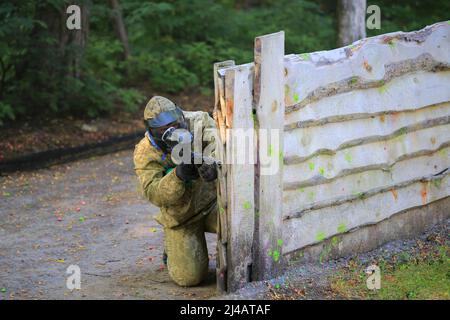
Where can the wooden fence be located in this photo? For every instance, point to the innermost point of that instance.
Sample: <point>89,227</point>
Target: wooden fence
<point>363,134</point>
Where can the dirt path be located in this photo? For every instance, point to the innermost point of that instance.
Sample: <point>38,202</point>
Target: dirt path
<point>89,214</point>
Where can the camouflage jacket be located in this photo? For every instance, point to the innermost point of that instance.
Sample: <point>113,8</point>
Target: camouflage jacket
<point>180,203</point>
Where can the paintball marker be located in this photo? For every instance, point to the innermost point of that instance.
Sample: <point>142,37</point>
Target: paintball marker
<point>173,136</point>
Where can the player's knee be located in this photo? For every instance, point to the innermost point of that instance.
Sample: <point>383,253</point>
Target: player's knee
<point>186,276</point>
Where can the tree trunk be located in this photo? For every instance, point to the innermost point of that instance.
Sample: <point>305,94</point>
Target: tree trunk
<point>352,21</point>
<point>120,28</point>
<point>72,43</point>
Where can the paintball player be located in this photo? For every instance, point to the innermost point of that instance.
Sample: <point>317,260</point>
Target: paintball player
<point>184,192</point>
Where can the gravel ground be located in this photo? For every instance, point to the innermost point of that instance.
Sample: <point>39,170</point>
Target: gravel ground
<point>89,213</point>
<point>86,213</point>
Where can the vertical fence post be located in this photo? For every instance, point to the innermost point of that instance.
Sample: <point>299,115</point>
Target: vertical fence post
<point>240,174</point>
<point>222,227</point>
<point>269,103</point>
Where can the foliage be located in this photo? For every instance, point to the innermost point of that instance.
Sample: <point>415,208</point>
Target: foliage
<point>173,43</point>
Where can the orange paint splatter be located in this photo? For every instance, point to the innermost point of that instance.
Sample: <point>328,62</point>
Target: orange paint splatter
<point>229,112</point>
<point>394,116</point>
<point>423,193</point>
<point>395,194</point>
<point>274,106</point>
<point>382,118</point>
<point>367,66</point>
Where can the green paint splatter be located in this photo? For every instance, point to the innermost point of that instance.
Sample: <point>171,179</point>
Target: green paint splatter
<point>276,255</point>
<point>348,157</point>
<point>402,131</point>
<point>305,56</point>
<point>320,236</point>
<point>382,86</point>
<point>311,166</point>
<point>3,290</point>
<point>277,286</point>
<point>6,194</point>
<point>296,97</point>
<point>353,80</point>
<point>437,183</point>
<point>280,155</point>
<point>269,253</point>
<point>311,195</point>
<point>334,241</point>
<point>321,171</point>
<point>279,242</point>
<point>448,21</point>
<point>254,118</point>
<point>247,205</point>
<point>341,227</point>
<point>301,189</point>
<point>221,210</point>
<point>82,219</point>
<point>270,150</point>
<point>286,90</point>
<point>359,195</point>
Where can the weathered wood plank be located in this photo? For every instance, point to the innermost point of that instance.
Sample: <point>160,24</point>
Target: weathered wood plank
<point>222,227</point>
<point>318,225</point>
<point>376,155</point>
<point>240,178</point>
<point>410,92</point>
<point>367,59</point>
<point>216,67</point>
<point>304,143</point>
<point>269,104</point>
<point>355,186</point>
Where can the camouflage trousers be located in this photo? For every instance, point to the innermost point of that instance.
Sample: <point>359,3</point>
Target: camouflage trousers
<point>187,254</point>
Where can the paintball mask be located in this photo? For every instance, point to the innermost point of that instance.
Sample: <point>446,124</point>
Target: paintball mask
<point>173,136</point>
<point>169,128</point>
<point>174,116</point>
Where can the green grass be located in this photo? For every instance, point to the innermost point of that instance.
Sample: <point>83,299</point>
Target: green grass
<point>421,277</point>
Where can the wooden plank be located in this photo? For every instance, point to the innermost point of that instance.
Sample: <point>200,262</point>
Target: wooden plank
<point>318,225</point>
<point>303,143</point>
<point>216,67</point>
<point>240,180</point>
<point>411,92</point>
<point>221,267</point>
<point>219,94</point>
<point>270,108</point>
<point>367,60</point>
<point>375,155</point>
<point>357,185</point>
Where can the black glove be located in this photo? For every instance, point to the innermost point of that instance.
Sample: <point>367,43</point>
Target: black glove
<point>208,172</point>
<point>186,172</point>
